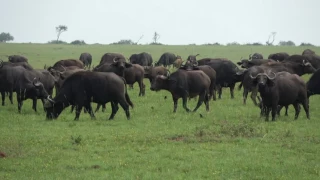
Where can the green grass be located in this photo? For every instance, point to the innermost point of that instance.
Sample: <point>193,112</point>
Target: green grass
<point>230,142</point>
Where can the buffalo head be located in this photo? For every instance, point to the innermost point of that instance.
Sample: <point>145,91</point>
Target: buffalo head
<point>263,79</point>
<point>307,67</point>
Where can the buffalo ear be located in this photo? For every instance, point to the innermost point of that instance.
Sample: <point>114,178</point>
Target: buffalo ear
<point>239,63</point>
<point>128,65</point>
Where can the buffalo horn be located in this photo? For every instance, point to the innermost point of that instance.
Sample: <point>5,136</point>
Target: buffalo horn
<point>273,76</point>
<point>50,99</point>
<point>168,73</point>
<point>115,60</point>
<point>36,82</point>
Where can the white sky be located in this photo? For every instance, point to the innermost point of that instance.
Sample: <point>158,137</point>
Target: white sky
<point>177,21</point>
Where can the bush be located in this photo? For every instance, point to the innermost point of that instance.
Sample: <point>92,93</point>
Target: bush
<point>212,44</point>
<point>254,44</point>
<point>233,44</point>
<point>57,42</point>
<point>287,43</point>
<point>306,44</point>
<point>125,41</point>
<point>78,42</point>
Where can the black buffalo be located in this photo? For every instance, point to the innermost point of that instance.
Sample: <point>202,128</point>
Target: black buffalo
<point>82,88</point>
<point>192,58</point>
<point>226,74</point>
<point>278,56</point>
<point>135,74</point>
<point>256,56</point>
<point>17,58</point>
<point>86,59</point>
<point>117,66</point>
<point>184,84</point>
<point>62,64</point>
<point>205,61</point>
<point>167,59</point>
<point>313,85</point>
<point>308,52</point>
<point>245,63</point>
<point>211,73</point>
<point>108,58</point>
<point>152,72</point>
<point>282,89</point>
<point>143,59</point>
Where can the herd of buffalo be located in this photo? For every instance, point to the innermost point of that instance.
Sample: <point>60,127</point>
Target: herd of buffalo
<point>277,79</point>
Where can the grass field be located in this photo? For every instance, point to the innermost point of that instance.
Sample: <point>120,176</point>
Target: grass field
<point>230,142</point>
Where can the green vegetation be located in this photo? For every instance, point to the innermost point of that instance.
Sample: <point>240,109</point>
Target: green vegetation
<point>231,141</point>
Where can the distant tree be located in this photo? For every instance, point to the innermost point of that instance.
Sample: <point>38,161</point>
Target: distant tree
<point>306,44</point>
<point>4,37</point>
<point>233,44</point>
<point>254,44</point>
<point>287,43</point>
<point>273,35</point>
<point>78,42</point>
<point>125,41</point>
<point>60,29</point>
<point>57,42</point>
<point>212,44</point>
<point>155,38</point>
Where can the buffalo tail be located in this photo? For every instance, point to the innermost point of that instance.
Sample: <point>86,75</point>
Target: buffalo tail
<point>126,94</point>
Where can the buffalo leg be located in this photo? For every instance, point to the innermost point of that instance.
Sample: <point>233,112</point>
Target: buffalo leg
<point>98,107</point>
<point>245,95</point>
<point>175,104</point>
<point>214,97</point>
<point>3,96</point>
<point>103,107</point>
<point>88,107</point>
<point>200,101</point>
<point>274,111</point>
<point>305,105</point>
<point>267,112</point>
<point>184,103</point>
<point>72,108</point>
<point>10,96</point>
<point>232,90</point>
<point>34,104</point>
<point>114,109</point>
<point>253,96</point>
<point>297,110</point>
<point>78,111</point>
<point>125,106</point>
<point>20,101</point>
<point>219,91</point>
<point>206,101</point>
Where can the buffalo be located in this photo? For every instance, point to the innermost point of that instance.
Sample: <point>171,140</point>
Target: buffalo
<point>17,59</point>
<point>308,52</point>
<point>117,66</point>
<point>143,59</point>
<point>313,84</point>
<point>86,59</point>
<point>278,56</point>
<point>62,64</point>
<point>152,72</point>
<point>205,61</point>
<point>211,73</point>
<point>282,89</point>
<point>184,84</point>
<point>245,63</point>
<point>82,88</point>
<point>255,56</point>
<point>135,74</point>
<point>167,59</point>
<point>192,58</point>
<point>226,74</point>
<point>177,63</point>
<point>108,58</point>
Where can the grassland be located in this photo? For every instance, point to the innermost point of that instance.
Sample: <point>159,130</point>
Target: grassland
<point>231,141</point>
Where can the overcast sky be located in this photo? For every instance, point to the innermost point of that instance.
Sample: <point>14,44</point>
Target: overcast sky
<point>177,21</point>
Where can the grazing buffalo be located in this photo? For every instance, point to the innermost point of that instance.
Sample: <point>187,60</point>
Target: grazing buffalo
<point>308,52</point>
<point>62,76</point>
<point>135,74</point>
<point>313,85</point>
<point>205,61</point>
<point>17,59</point>
<point>143,59</point>
<point>211,73</point>
<point>117,66</point>
<point>167,59</point>
<point>82,88</point>
<point>293,68</point>
<point>108,58</point>
<point>86,59</point>
<point>226,75</point>
<point>152,72</point>
<point>62,64</point>
<point>278,56</point>
<point>245,63</point>
<point>192,58</point>
<point>282,89</point>
<point>255,56</point>
<point>184,84</point>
